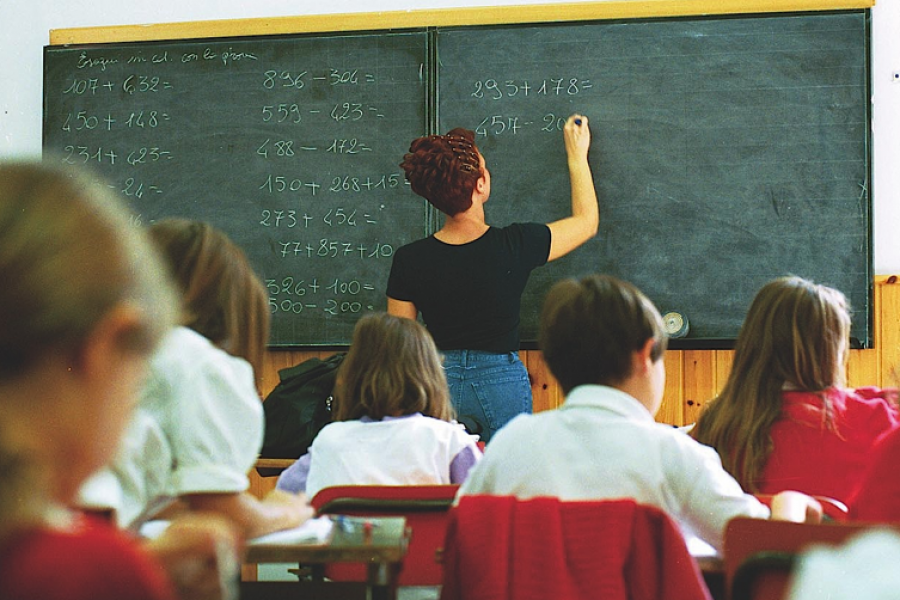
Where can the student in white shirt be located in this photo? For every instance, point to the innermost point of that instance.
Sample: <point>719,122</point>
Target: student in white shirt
<point>604,342</point>
<point>392,416</point>
<point>200,422</point>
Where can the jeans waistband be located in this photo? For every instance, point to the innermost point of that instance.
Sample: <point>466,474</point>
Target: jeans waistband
<point>468,358</point>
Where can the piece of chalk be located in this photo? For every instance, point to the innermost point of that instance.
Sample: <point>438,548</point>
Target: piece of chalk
<point>578,121</point>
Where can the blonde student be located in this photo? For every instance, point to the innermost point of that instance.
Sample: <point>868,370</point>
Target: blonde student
<point>784,419</point>
<point>393,420</point>
<point>604,342</point>
<point>199,427</point>
<point>83,305</point>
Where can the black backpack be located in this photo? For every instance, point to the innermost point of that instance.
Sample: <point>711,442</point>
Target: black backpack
<point>299,406</point>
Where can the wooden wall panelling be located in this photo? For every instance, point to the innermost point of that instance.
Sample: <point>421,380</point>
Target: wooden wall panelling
<point>672,409</point>
<point>724,358</point>
<point>545,390</point>
<point>889,331</point>
<point>699,381</point>
<point>863,368</point>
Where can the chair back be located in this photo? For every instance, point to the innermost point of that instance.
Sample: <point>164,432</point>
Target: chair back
<point>760,554</point>
<point>426,508</point>
<point>500,547</point>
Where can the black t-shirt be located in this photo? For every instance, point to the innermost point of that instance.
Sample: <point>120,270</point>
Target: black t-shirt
<point>470,294</point>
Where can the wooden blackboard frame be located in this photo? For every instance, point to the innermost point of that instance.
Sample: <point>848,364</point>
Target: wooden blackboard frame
<point>402,20</point>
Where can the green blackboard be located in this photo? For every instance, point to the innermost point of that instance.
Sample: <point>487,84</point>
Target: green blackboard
<point>727,151</point>
<point>288,144</point>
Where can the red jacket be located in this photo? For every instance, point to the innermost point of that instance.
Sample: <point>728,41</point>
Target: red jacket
<point>809,457</point>
<point>502,548</point>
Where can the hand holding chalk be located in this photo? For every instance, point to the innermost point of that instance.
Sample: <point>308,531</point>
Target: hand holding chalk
<point>577,134</point>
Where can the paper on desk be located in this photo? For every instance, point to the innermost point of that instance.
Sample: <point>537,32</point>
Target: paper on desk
<point>313,531</point>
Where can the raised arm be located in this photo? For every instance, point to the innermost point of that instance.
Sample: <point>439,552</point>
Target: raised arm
<point>571,232</point>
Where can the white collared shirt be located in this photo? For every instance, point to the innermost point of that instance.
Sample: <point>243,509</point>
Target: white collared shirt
<point>198,429</point>
<point>604,444</point>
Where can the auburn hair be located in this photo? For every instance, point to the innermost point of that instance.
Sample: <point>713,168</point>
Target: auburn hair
<point>444,169</point>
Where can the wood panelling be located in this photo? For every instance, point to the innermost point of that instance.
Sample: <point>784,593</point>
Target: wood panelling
<point>888,331</point>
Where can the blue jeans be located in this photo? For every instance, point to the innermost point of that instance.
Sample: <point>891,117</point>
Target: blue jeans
<point>491,388</point>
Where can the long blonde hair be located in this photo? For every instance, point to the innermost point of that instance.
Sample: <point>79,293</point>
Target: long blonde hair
<point>392,368</point>
<point>68,256</point>
<point>796,335</point>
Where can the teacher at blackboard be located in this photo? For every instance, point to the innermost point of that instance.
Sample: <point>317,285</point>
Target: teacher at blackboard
<point>467,279</point>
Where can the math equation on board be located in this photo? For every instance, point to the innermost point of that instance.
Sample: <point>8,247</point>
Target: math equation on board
<point>290,145</point>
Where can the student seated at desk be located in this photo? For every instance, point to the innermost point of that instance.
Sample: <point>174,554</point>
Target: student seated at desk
<point>393,420</point>
<point>83,303</point>
<point>783,419</point>
<point>604,342</point>
<point>199,428</point>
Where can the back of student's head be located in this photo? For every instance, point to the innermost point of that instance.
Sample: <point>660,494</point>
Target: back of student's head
<point>222,297</point>
<point>68,255</point>
<point>796,336</point>
<point>590,330</point>
<point>71,264</point>
<point>392,368</point>
<point>795,332</point>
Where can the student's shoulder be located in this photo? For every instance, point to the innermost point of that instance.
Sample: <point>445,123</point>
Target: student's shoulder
<point>185,351</point>
<point>675,443</point>
<point>869,403</point>
<point>520,435</point>
<point>337,432</point>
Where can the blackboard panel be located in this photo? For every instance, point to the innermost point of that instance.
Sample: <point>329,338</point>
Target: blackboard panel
<point>727,151</point>
<point>288,144</point>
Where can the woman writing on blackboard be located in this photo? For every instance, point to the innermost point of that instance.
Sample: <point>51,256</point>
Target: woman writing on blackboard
<point>467,279</point>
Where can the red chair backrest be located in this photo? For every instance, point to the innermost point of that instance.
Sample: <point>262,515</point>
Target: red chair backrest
<point>760,554</point>
<point>501,547</point>
<point>426,510</point>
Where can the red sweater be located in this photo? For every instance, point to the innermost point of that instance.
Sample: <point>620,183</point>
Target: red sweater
<point>501,548</point>
<point>811,458</point>
<point>89,561</point>
<point>878,496</point>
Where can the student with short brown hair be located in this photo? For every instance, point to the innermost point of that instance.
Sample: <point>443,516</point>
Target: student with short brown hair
<point>393,420</point>
<point>604,342</point>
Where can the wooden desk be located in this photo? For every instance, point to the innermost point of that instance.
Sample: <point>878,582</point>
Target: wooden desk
<point>382,550</point>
